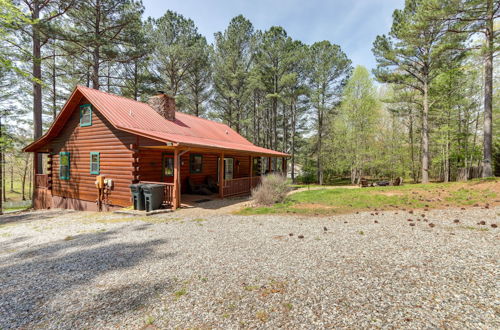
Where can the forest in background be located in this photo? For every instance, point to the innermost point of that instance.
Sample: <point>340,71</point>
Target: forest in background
<point>428,110</point>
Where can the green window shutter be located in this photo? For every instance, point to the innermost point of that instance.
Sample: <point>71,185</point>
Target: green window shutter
<point>95,163</point>
<point>85,115</point>
<point>64,165</point>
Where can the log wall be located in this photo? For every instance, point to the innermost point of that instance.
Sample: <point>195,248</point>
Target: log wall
<point>115,159</point>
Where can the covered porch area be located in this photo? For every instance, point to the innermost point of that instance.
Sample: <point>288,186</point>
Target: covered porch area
<point>194,175</point>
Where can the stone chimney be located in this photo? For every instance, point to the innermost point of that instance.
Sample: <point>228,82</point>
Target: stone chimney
<point>163,104</point>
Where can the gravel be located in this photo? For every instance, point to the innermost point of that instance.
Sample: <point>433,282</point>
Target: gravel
<point>89,270</point>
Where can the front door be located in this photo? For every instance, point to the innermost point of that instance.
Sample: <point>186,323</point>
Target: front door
<point>167,168</point>
<point>228,168</point>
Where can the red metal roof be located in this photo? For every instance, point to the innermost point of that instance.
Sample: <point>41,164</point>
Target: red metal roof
<point>139,118</point>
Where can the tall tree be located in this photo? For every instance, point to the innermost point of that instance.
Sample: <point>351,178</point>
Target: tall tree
<point>295,98</point>
<point>411,55</point>
<point>329,70</point>
<point>138,80</point>
<point>470,18</point>
<point>359,115</point>
<point>175,39</point>
<point>233,57</point>
<point>199,78</point>
<point>96,34</point>
<point>275,63</point>
<point>39,28</point>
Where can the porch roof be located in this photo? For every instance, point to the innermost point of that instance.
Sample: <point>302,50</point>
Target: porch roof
<point>139,118</point>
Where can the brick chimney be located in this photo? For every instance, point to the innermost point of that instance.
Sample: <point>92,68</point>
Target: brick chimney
<point>163,104</point>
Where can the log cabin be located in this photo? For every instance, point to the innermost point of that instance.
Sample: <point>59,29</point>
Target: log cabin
<point>97,134</point>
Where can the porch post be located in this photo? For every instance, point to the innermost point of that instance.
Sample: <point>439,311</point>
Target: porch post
<point>269,165</point>
<point>36,162</point>
<point>251,171</point>
<point>176,198</point>
<point>221,176</point>
<point>283,165</point>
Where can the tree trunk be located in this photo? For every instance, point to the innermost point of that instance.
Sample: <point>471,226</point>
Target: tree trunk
<point>3,179</point>
<point>95,69</point>
<point>54,87</point>
<point>321,109</point>
<point>12,174</point>
<point>30,179</point>
<point>136,81</point>
<point>37,75</point>
<point>108,77</point>
<point>425,135</point>
<point>319,162</point>
<point>96,56</point>
<point>293,141</point>
<point>1,165</point>
<point>412,148</point>
<point>488,93</point>
<point>23,179</point>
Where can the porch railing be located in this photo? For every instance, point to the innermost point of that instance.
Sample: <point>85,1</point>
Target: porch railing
<point>240,186</point>
<point>168,192</point>
<point>41,180</point>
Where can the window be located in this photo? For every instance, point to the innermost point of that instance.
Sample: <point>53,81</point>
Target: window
<point>195,163</point>
<point>228,168</point>
<point>64,165</point>
<point>85,115</point>
<point>95,163</point>
<point>168,165</point>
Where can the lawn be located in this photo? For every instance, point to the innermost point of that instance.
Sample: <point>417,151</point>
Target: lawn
<point>329,201</point>
<point>14,197</point>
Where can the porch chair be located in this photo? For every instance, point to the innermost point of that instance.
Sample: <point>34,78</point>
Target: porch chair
<point>212,184</point>
<point>197,189</point>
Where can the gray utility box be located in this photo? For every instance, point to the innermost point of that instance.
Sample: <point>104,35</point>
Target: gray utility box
<point>137,196</point>
<point>153,196</point>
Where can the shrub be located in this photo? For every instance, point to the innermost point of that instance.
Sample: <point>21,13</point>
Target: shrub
<point>273,189</point>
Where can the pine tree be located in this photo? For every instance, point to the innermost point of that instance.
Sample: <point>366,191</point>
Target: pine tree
<point>199,78</point>
<point>329,70</point>
<point>232,60</point>
<point>176,39</point>
<point>470,18</point>
<point>411,56</point>
<point>138,81</point>
<point>96,35</point>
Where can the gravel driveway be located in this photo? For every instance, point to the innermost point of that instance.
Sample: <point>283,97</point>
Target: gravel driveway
<point>89,270</point>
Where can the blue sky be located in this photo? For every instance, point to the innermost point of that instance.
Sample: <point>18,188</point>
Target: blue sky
<point>353,24</point>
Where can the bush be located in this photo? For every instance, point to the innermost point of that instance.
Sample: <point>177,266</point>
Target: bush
<point>273,189</point>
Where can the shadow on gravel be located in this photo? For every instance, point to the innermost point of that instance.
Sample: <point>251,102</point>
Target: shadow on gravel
<point>218,203</point>
<point>38,282</point>
<point>29,216</point>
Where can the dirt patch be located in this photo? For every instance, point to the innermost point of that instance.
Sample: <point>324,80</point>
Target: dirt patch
<point>390,193</point>
<point>314,206</point>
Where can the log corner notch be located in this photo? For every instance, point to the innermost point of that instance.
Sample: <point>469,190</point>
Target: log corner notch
<point>134,148</point>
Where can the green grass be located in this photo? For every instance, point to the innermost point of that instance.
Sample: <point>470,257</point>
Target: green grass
<point>14,197</point>
<point>180,293</point>
<point>334,182</point>
<point>413,196</point>
<point>15,208</point>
